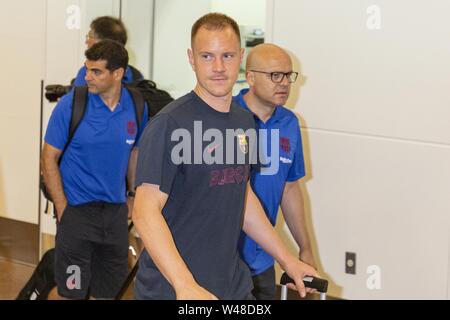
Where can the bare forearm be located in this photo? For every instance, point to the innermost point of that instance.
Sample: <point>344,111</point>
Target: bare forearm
<point>292,206</point>
<point>257,226</point>
<point>131,173</point>
<point>159,243</point>
<point>53,182</point>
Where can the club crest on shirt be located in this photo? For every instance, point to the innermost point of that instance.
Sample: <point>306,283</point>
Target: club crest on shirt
<point>131,127</point>
<point>243,145</point>
<point>285,144</point>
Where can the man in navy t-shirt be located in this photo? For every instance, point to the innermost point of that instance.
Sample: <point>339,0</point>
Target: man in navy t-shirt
<point>88,186</point>
<point>269,75</point>
<point>192,196</point>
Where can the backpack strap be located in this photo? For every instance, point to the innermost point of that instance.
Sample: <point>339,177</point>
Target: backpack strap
<point>139,104</point>
<point>135,74</point>
<point>79,103</point>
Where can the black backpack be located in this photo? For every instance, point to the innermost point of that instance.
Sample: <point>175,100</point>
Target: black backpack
<point>156,98</point>
<point>79,104</point>
<point>42,281</point>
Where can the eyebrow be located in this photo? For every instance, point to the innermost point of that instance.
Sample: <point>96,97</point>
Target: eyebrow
<point>211,53</point>
<point>93,69</point>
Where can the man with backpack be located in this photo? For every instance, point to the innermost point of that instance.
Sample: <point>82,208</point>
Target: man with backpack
<point>88,172</point>
<point>111,28</point>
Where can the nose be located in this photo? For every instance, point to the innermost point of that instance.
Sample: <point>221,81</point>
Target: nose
<point>218,65</point>
<point>88,76</point>
<point>285,80</point>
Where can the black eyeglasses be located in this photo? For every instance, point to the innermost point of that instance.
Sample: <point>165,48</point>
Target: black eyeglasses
<point>278,77</point>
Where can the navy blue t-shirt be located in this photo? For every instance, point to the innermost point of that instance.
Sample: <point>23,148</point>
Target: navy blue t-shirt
<point>205,205</point>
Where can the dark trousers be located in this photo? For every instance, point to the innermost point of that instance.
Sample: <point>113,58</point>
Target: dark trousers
<point>264,285</point>
<point>92,250</point>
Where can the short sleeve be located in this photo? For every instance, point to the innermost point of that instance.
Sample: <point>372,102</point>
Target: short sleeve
<point>255,161</point>
<point>297,169</point>
<point>58,126</point>
<point>154,165</point>
<point>80,78</point>
<point>144,123</point>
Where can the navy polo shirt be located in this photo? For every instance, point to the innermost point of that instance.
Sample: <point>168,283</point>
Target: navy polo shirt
<point>269,188</point>
<point>80,81</point>
<point>94,166</point>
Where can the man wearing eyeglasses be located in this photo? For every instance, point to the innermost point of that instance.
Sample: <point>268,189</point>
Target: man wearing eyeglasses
<point>113,29</point>
<point>270,75</point>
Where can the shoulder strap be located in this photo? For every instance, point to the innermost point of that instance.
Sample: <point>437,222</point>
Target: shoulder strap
<point>79,103</point>
<point>135,73</point>
<point>139,104</point>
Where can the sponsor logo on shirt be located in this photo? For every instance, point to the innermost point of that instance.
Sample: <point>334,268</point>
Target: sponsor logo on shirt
<point>236,175</point>
<point>131,142</point>
<point>285,160</point>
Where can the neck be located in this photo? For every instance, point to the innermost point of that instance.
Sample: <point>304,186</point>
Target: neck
<point>112,96</point>
<point>262,110</point>
<point>220,104</point>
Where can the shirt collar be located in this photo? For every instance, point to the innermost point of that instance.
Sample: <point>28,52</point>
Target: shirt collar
<point>98,102</point>
<point>276,116</point>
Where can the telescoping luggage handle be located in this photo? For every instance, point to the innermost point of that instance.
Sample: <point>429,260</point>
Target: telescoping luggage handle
<point>321,285</point>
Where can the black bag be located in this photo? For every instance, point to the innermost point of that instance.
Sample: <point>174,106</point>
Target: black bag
<point>156,98</point>
<point>79,104</point>
<point>42,281</point>
<point>136,75</point>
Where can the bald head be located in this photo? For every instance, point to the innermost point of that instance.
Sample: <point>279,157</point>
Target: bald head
<point>268,73</point>
<point>262,55</point>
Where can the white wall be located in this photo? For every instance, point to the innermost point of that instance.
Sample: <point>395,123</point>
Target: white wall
<point>22,30</point>
<point>138,18</point>
<point>172,38</point>
<point>376,118</point>
<point>173,22</point>
<point>248,12</point>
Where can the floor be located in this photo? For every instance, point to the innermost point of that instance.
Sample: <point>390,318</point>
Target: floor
<point>19,241</point>
<point>13,277</point>
<point>19,256</point>
<point>18,259</point>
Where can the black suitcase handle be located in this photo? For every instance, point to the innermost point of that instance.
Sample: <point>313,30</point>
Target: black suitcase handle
<point>321,285</point>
